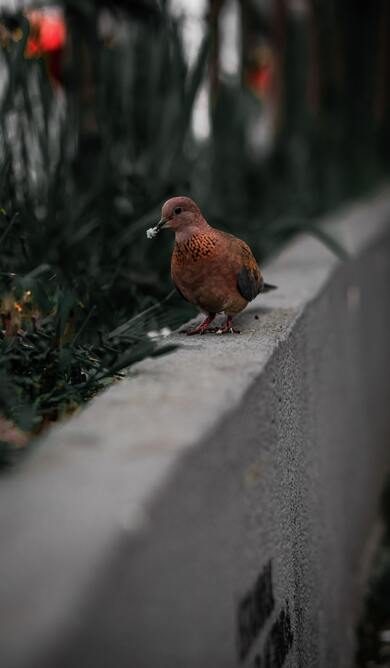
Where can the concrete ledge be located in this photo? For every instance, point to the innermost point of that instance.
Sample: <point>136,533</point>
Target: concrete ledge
<point>210,511</point>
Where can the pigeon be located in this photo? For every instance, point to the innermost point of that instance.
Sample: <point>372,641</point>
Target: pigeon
<point>211,269</point>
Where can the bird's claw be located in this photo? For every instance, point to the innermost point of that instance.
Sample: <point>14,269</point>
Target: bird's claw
<point>227,330</point>
<point>203,328</point>
<point>210,330</point>
<point>200,331</point>
<point>197,330</point>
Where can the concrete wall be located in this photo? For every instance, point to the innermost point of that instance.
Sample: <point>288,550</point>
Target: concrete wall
<point>211,510</point>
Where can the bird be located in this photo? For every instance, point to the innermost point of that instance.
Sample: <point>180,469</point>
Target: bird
<point>214,270</point>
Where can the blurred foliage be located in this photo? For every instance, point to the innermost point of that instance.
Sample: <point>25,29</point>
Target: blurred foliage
<point>331,107</point>
<point>79,185</point>
<point>86,163</point>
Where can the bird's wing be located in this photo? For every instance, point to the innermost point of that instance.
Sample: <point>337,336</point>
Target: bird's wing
<point>267,287</point>
<point>247,284</point>
<point>249,279</point>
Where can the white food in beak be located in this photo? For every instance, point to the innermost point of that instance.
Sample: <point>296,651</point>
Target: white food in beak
<point>151,232</point>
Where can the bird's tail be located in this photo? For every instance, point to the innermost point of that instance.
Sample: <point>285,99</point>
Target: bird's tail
<point>267,287</point>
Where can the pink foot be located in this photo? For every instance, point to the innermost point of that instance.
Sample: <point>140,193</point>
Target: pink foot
<point>228,327</point>
<point>202,328</point>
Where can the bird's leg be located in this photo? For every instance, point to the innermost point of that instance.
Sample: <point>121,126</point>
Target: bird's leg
<point>228,327</point>
<point>202,328</point>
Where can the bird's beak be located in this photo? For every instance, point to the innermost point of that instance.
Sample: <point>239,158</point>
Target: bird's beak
<point>162,224</point>
<point>153,231</point>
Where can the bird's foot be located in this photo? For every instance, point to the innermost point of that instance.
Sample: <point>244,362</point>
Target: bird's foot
<point>228,327</point>
<point>202,328</point>
<point>227,330</point>
<point>201,331</point>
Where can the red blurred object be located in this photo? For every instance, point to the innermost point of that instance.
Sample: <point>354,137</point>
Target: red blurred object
<point>47,38</point>
<point>259,79</point>
<point>47,32</point>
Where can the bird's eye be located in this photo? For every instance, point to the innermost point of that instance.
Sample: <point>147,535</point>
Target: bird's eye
<point>178,210</point>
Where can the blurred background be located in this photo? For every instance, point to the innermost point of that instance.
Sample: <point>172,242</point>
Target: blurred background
<point>267,112</point>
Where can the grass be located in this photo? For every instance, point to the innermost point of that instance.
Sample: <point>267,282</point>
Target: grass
<point>80,285</point>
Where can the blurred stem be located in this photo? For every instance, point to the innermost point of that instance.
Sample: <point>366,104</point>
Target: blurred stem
<point>313,83</point>
<point>279,38</point>
<point>215,7</point>
<point>8,228</point>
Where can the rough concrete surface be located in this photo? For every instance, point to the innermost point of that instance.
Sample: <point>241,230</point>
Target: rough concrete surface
<point>211,510</point>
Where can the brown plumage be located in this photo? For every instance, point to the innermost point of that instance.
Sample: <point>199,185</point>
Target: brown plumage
<point>213,270</point>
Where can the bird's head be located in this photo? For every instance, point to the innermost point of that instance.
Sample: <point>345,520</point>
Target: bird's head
<point>181,215</point>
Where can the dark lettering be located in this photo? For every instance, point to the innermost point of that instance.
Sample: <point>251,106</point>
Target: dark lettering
<point>253,611</point>
<point>279,641</point>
